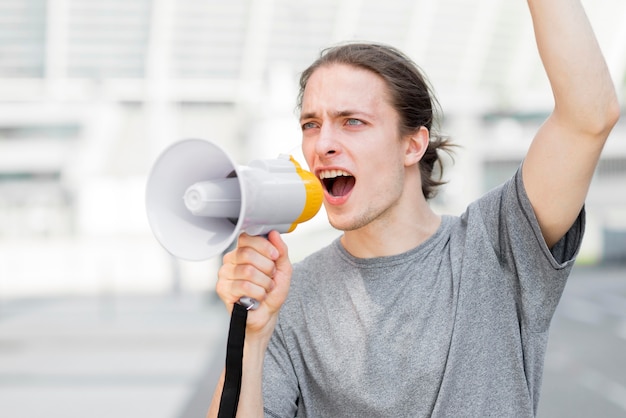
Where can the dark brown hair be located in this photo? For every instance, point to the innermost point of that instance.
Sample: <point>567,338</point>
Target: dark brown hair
<point>410,92</point>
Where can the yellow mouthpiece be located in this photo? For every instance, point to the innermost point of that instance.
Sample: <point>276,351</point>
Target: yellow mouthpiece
<point>314,195</point>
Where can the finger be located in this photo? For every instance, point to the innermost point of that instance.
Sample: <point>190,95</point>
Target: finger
<point>245,271</point>
<point>260,244</point>
<point>282,262</point>
<point>244,288</point>
<point>249,270</point>
<point>235,281</point>
<point>248,256</point>
<point>252,274</point>
<point>282,277</point>
<point>247,265</point>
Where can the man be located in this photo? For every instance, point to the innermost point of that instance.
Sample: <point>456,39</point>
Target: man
<point>410,313</point>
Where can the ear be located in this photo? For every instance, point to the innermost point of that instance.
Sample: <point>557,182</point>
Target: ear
<point>416,145</point>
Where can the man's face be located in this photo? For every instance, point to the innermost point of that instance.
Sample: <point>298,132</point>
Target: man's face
<point>350,140</point>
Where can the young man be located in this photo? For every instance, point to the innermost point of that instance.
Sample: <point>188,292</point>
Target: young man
<point>410,313</point>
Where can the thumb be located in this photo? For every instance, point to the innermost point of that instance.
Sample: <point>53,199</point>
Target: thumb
<point>282,261</point>
<point>282,275</point>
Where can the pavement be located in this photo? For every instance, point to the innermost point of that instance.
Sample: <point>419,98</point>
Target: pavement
<point>585,367</point>
<point>123,357</point>
<point>159,356</point>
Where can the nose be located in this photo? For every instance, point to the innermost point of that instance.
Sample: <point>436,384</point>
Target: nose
<point>326,144</point>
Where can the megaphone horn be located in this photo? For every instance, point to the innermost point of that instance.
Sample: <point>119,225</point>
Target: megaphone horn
<point>198,200</point>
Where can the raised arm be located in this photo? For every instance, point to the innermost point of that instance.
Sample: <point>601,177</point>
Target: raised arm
<point>561,161</point>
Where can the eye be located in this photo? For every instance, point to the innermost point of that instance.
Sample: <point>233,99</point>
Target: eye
<point>308,125</point>
<point>354,122</point>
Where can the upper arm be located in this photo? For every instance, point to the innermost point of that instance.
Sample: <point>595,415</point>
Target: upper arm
<point>557,172</point>
<point>561,161</point>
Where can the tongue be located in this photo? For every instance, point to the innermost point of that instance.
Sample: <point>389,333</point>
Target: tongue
<point>342,186</point>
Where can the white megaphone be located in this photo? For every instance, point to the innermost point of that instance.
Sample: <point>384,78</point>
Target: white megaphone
<point>198,200</point>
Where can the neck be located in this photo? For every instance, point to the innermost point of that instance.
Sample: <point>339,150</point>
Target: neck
<point>385,237</point>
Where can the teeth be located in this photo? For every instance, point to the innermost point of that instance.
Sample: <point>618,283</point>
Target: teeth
<point>331,174</point>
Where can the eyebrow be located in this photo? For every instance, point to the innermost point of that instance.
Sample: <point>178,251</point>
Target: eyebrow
<point>308,115</point>
<point>336,114</point>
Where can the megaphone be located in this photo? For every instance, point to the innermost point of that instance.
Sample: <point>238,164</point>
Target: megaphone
<point>198,200</point>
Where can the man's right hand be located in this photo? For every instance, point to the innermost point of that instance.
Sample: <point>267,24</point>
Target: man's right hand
<point>258,268</point>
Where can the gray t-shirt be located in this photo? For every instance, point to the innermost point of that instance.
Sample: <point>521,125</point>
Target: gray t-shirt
<point>456,327</point>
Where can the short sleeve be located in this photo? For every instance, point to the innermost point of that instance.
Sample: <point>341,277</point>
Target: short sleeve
<point>540,272</point>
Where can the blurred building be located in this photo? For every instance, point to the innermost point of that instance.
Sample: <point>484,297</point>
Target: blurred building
<point>91,92</point>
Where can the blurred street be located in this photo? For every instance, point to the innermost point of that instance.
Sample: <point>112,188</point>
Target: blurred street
<point>125,357</point>
<point>585,368</point>
<point>159,356</point>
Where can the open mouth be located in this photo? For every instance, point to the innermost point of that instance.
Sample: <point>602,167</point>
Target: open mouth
<point>337,182</point>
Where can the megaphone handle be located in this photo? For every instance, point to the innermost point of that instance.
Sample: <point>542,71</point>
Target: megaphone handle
<point>249,303</point>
